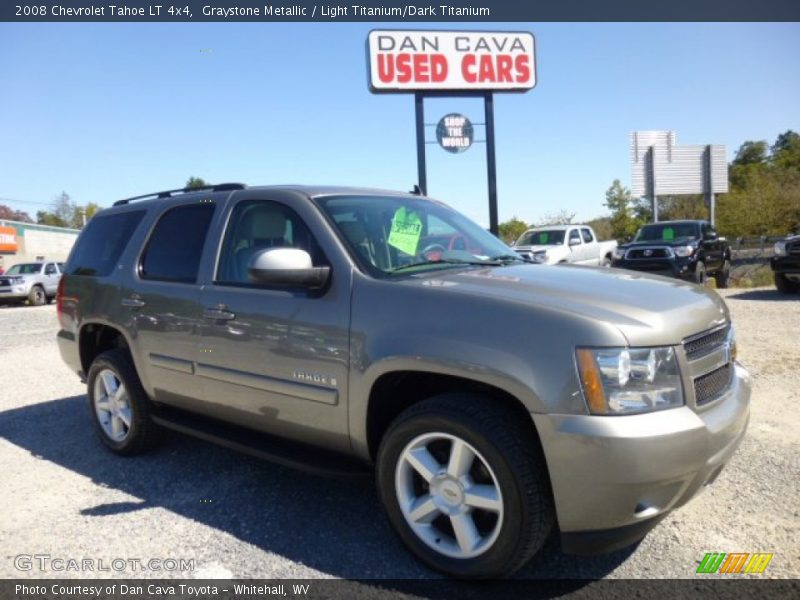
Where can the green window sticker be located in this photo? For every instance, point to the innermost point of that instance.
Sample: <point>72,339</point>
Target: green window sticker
<point>543,237</point>
<point>668,234</point>
<point>406,231</point>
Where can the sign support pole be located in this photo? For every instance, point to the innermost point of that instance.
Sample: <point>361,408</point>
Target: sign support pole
<point>710,182</point>
<point>419,111</point>
<point>653,194</point>
<point>491,167</point>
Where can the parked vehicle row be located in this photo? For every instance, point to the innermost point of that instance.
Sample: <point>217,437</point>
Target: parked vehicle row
<point>558,244</point>
<point>35,282</point>
<point>786,265</point>
<point>352,330</point>
<point>690,250</point>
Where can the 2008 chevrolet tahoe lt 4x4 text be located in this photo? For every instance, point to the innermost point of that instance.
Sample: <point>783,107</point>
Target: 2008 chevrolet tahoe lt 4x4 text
<point>334,328</point>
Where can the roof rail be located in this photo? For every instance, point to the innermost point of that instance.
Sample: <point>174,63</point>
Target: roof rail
<point>220,187</point>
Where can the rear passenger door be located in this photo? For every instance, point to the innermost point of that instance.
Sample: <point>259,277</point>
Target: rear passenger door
<point>162,302</point>
<point>273,359</point>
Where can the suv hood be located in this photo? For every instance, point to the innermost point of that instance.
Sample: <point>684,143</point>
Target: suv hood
<point>647,309</point>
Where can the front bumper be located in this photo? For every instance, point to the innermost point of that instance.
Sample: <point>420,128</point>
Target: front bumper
<point>682,268</point>
<point>14,292</point>
<point>788,265</point>
<point>614,478</point>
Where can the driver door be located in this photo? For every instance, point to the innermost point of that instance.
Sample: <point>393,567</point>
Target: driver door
<point>274,359</point>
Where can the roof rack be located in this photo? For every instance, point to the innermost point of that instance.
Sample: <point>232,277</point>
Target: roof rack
<point>221,187</point>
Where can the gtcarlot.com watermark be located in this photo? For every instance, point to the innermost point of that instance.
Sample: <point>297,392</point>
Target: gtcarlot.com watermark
<point>47,562</point>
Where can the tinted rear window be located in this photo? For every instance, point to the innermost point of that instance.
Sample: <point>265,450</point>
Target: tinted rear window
<point>176,244</point>
<point>99,247</point>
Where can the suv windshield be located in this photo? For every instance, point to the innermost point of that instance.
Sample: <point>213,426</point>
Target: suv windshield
<point>25,269</point>
<point>394,234</point>
<point>667,232</point>
<point>550,237</point>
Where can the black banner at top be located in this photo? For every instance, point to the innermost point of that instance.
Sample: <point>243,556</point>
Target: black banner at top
<point>397,11</point>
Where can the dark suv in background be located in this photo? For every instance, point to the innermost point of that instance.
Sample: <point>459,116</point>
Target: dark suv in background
<point>786,265</point>
<point>690,250</point>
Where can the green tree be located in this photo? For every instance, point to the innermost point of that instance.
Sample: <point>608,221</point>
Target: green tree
<point>786,150</point>
<point>511,230</point>
<point>195,183</point>
<point>602,227</point>
<point>624,220</point>
<point>751,153</point>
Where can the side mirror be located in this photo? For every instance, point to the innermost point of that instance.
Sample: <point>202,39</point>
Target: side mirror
<point>574,242</point>
<point>513,243</point>
<point>711,235</point>
<point>286,267</point>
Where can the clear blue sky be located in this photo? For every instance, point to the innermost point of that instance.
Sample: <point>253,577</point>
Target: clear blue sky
<point>104,111</point>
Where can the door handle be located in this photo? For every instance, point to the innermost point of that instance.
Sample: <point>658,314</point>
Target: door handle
<point>218,314</point>
<point>133,302</point>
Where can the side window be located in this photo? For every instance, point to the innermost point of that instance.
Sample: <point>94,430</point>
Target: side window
<point>587,236</point>
<point>574,234</point>
<point>256,225</point>
<point>101,243</point>
<point>61,267</point>
<point>176,244</point>
<point>50,269</point>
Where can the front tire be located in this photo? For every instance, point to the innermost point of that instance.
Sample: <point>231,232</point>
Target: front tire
<point>119,405</point>
<point>465,486</point>
<point>785,285</point>
<point>37,297</point>
<point>700,274</point>
<point>723,276</point>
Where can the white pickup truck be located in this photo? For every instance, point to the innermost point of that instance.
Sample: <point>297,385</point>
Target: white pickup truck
<point>556,244</point>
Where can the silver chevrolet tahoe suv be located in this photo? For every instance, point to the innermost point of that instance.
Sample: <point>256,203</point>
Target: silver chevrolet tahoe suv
<point>345,330</point>
<point>35,282</point>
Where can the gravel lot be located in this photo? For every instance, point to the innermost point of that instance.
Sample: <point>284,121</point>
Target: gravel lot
<point>65,496</point>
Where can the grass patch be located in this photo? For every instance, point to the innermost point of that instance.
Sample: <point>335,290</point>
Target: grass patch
<point>750,276</point>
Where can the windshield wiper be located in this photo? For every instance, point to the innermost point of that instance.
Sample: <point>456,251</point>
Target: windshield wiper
<point>450,261</point>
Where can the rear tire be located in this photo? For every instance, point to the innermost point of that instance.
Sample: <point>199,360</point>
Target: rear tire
<point>119,405</point>
<point>605,262</point>
<point>700,274</point>
<point>37,297</point>
<point>785,285</point>
<point>484,516</point>
<point>723,276</point>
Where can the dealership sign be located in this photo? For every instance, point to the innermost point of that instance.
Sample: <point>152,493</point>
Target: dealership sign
<point>408,61</point>
<point>8,239</point>
<point>454,133</point>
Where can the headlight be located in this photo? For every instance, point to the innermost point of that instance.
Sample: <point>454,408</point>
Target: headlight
<point>780,248</point>
<point>540,256</point>
<point>619,253</point>
<point>684,251</point>
<point>620,381</point>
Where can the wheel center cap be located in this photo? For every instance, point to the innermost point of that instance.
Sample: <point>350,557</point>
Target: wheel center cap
<point>449,492</point>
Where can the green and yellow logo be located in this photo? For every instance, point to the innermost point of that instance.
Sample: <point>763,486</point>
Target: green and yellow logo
<point>734,563</point>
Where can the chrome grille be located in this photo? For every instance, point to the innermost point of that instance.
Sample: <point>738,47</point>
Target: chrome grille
<point>793,248</point>
<point>712,385</point>
<point>647,253</point>
<point>705,343</point>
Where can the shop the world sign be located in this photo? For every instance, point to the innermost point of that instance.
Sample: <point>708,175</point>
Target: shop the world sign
<point>407,61</point>
<point>454,133</point>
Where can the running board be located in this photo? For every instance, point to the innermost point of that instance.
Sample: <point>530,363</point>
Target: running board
<point>278,450</point>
